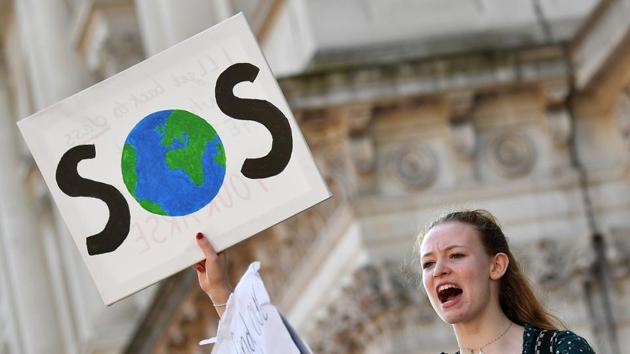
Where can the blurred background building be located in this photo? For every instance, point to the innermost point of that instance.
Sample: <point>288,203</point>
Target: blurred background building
<point>411,107</point>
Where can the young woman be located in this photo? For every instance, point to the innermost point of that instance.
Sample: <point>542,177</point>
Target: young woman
<point>475,284</point>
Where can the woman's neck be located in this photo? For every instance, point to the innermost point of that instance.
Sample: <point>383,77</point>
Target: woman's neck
<point>485,329</point>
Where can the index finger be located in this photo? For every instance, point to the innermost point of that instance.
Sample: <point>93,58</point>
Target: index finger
<point>205,246</point>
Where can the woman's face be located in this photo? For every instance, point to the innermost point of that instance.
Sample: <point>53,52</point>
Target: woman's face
<point>455,271</point>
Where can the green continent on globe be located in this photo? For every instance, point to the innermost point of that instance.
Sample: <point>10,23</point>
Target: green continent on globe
<point>220,156</point>
<point>189,157</point>
<point>129,158</point>
<point>152,207</point>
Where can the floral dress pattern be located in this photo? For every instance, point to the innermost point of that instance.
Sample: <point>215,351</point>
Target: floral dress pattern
<point>566,342</point>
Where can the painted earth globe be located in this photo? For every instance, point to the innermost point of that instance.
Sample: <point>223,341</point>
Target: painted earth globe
<point>173,162</point>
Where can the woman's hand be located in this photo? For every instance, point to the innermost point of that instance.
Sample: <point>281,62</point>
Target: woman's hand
<point>212,275</point>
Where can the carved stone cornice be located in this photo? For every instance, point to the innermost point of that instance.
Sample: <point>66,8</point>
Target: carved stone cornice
<point>329,132</point>
<point>622,114</point>
<point>379,298</point>
<point>415,166</point>
<point>560,124</point>
<point>464,138</point>
<point>618,254</point>
<point>460,106</point>
<point>424,76</point>
<point>556,266</point>
<point>358,119</point>
<point>282,248</point>
<point>513,154</point>
<point>561,266</point>
<point>555,92</point>
<point>558,118</point>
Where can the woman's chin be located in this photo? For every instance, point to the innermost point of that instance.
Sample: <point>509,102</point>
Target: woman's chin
<point>454,314</point>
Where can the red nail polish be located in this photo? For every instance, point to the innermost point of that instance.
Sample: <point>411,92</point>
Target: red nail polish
<point>199,235</point>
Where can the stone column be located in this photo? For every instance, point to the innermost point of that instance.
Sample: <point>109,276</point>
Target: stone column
<point>31,292</point>
<point>55,72</point>
<point>164,23</point>
<point>55,69</point>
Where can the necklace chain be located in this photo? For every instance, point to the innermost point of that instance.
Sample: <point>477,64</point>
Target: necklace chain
<point>472,350</point>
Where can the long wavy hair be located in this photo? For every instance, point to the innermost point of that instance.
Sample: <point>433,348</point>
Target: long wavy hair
<point>516,297</point>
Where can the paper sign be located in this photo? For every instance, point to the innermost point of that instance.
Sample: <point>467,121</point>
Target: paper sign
<point>251,324</point>
<point>196,138</point>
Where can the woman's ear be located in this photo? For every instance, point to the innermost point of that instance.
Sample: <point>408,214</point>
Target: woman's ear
<point>499,265</point>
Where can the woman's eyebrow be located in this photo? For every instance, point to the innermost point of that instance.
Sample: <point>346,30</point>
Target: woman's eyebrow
<point>446,249</point>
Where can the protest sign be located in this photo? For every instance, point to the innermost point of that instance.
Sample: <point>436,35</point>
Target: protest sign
<point>196,138</point>
<point>251,324</point>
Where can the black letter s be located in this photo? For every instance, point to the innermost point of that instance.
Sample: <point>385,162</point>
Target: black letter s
<point>68,179</point>
<point>261,111</point>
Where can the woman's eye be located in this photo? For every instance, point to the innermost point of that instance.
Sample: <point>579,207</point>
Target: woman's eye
<point>426,265</point>
<point>457,255</point>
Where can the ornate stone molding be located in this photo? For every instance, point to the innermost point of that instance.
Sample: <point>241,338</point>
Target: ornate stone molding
<point>379,298</point>
<point>558,117</point>
<point>326,131</point>
<point>285,246</point>
<point>464,138</point>
<point>334,86</point>
<point>560,125</point>
<point>622,113</point>
<point>460,106</point>
<point>361,143</point>
<point>414,165</point>
<point>563,265</point>
<point>618,254</point>
<point>555,92</point>
<point>363,154</point>
<point>513,154</point>
<point>554,266</point>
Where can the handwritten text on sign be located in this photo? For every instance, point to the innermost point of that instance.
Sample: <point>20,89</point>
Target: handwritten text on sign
<point>251,324</point>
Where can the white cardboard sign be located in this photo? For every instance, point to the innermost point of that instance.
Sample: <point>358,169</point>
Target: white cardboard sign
<point>251,324</point>
<point>196,138</point>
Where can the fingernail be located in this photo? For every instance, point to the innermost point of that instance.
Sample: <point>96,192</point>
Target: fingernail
<point>199,235</point>
<point>200,268</point>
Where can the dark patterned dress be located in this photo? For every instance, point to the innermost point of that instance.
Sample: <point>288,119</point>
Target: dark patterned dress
<point>565,342</point>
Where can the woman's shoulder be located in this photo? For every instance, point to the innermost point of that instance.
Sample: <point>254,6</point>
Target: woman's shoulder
<point>565,341</point>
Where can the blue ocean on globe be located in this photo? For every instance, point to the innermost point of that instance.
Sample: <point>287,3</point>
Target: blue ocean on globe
<point>173,162</point>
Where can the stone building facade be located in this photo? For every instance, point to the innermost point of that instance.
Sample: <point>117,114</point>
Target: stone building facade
<point>410,108</point>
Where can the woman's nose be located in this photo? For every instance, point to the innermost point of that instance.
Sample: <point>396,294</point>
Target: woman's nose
<point>440,269</point>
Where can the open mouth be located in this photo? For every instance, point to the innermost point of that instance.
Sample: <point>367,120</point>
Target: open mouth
<point>448,292</point>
